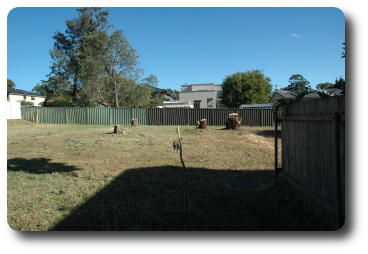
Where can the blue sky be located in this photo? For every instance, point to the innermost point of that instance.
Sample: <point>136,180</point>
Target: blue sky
<point>196,45</point>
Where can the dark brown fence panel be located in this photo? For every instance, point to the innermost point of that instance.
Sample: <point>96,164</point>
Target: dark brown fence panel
<point>313,154</point>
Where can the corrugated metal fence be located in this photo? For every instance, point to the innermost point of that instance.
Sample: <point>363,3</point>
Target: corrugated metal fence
<point>145,116</point>
<point>313,156</point>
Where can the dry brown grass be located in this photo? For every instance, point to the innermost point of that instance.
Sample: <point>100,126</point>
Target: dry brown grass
<point>59,175</point>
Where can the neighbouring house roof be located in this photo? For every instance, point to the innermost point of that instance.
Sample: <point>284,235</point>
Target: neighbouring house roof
<point>284,93</point>
<point>256,106</point>
<point>198,91</point>
<point>177,104</point>
<point>311,96</point>
<point>22,92</point>
<point>333,91</point>
<point>202,84</point>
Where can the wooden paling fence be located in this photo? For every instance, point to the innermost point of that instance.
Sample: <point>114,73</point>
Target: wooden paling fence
<point>313,155</point>
<point>145,116</point>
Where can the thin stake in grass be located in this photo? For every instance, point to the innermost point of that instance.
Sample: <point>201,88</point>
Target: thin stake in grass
<point>178,146</point>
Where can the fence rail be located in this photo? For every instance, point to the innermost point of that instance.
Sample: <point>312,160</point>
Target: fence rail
<point>145,116</point>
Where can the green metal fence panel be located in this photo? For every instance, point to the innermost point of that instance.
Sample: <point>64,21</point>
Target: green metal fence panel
<point>145,116</point>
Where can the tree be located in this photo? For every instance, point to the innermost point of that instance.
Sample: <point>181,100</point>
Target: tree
<point>325,85</point>
<point>121,61</point>
<point>10,83</point>
<point>246,88</point>
<point>92,66</point>
<point>298,84</point>
<point>68,55</point>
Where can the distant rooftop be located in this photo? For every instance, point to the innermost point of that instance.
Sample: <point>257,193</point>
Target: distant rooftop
<point>256,106</point>
<point>22,92</point>
<point>202,84</point>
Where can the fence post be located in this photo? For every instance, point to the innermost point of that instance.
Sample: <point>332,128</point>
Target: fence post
<point>338,170</point>
<point>188,116</point>
<point>131,114</point>
<point>164,116</point>
<point>66,116</point>
<point>276,148</point>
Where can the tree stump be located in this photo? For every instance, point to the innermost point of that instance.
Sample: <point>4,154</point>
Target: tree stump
<point>118,129</point>
<point>202,124</point>
<point>133,122</point>
<point>233,121</point>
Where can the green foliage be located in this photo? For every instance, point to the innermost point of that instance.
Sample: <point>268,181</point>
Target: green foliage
<point>298,84</point>
<point>69,55</point>
<point>246,88</point>
<point>92,67</point>
<point>26,103</point>
<point>340,83</point>
<point>10,83</point>
<point>325,85</point>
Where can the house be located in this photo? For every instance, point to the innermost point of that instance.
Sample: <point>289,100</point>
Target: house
<point>22,96</point>
<point>207,95</point>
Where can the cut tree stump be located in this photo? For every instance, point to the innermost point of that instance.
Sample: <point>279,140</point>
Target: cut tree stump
<point>118,129</point>
<point>233,121</point>
<point>133,122</point>
<point>202,124</point>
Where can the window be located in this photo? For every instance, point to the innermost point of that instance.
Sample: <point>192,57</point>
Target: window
<point>197,104</point>
<point>219,94</point>
<point>210,102</point>
<point>33,98</point>
<point>25,97</point>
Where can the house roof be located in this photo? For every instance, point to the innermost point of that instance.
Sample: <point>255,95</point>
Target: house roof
<point>198,91</point>
<point>256,106</point>
<point>313,95</point>
<point>333,91</point>
<point>202,84</point>
<point>22,92</point>
<point>286,94</point>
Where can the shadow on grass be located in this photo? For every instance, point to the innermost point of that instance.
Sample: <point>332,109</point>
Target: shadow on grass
<point>152,199</point>
<point>268,133</point>
<point>38,166</point>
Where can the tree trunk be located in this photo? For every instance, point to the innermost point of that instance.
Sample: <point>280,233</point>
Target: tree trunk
<point>116,95</point>
<point>202,124</point>
<point>134,122</point>
<point>233,121</point>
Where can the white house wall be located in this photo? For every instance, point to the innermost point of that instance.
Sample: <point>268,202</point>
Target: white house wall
<point>17,98</point>
<point>13,110</point>
<point>202,96</point>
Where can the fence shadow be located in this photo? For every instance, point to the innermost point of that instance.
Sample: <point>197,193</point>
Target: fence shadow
<point>152,199</point>
<point>38,166</point>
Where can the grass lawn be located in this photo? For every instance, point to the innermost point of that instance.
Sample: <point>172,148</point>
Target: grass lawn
<point>76,177</point>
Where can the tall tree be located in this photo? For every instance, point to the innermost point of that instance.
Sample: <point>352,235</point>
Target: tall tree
<point>67,55</point>
<point>246,88</point>
<point>298,84</point>
<point>10,83</point>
